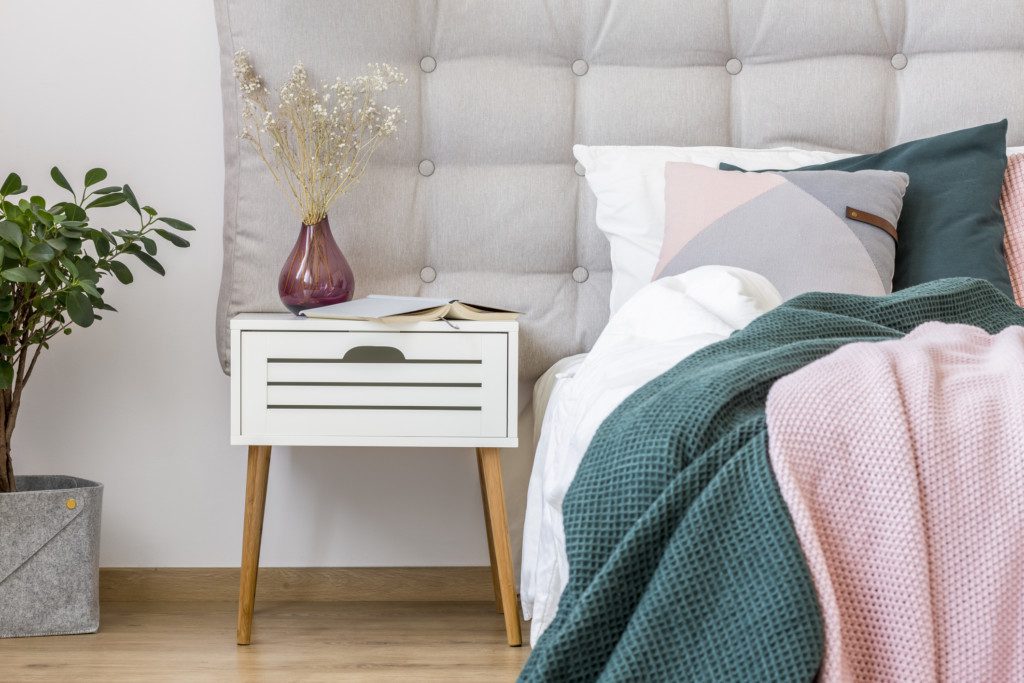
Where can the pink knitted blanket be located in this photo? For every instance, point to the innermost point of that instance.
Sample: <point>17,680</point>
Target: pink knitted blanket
<point>902,465</point>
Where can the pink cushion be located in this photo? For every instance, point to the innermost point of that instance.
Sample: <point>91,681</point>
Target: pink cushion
<point>1012,201</point>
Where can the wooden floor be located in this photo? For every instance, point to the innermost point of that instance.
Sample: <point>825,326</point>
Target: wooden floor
<point>292,641</point>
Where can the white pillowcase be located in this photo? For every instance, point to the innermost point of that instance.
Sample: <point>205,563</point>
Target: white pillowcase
<point>629,183</point>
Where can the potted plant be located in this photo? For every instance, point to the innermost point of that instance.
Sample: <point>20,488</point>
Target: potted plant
<point>52,262</point>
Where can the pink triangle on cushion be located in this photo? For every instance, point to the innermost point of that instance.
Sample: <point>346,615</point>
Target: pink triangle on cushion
<point>696,196</point>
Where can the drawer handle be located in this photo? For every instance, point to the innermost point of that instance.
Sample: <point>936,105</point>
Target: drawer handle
<point>378,355</point>
<point>373,354</point>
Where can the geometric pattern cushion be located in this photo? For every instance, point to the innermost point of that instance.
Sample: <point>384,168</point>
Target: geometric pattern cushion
<point>1012,202</point>
<point>829,231</point>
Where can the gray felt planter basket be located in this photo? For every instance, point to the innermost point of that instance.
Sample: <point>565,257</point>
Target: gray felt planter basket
<point>49,557</point>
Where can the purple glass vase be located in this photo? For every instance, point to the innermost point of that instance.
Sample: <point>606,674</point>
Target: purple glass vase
<point>316,272</point>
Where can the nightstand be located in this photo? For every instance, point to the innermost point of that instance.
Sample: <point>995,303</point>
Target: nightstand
<point>304,382</point>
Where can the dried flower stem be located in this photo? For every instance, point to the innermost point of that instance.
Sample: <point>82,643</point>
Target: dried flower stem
<point>316,142</point>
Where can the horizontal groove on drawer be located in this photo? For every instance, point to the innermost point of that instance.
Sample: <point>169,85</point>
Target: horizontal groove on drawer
<point>439,361</point>
<point>375,384</point>
<point>358,407</point>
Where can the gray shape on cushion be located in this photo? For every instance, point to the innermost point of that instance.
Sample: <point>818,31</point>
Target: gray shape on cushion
<point>877,192</point>
<point>791,239</point>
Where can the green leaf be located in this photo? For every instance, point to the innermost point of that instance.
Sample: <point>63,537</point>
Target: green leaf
<point>41,252</point>
<point>11,232</point>
<point>112,199</point>
<point>149,244</point>
<point>149,210</point>
<point>59,178</point>
<point>20,274</point>
<point>45,217</point>
<point>95,175</point>
<point>73,212</point>
<point>172,238</point>
<point>121,272</point>
<point>89,288</point>
<point>6,374</point>
<point>101,242</point>
<point>80,309</point>
<point>153,264</point>
<point>176,224</point>
<point>11,185</point>
<point>57,243</point>
<point>55,274</point>
<point>129,197</point>
<point>87,269</point>
<point>11,212</point>
<point>70,265</point>
<point>108,189</point>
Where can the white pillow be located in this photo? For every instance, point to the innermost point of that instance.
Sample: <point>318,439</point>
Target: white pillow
<point>629,183</point>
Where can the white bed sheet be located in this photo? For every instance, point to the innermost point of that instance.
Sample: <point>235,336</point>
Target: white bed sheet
<point>659,326</point>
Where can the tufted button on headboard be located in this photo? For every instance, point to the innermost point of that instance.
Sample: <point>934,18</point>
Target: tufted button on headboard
<point>481,184</point>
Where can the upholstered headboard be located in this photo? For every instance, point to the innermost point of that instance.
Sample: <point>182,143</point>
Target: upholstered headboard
<point>480,197</point>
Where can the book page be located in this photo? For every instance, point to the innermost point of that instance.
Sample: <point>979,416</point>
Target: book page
<point>374,307</point>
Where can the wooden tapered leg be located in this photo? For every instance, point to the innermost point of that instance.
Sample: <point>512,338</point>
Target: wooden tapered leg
<point>489,460</point>
<point>490,537</point>
<point>252,532</point>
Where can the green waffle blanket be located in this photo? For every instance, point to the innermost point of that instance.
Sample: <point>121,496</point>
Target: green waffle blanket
<point>683,563</point>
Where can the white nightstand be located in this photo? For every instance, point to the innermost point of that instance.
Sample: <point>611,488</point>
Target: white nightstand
<point>303,382</point>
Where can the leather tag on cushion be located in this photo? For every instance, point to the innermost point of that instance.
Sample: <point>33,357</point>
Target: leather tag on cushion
<point>951,225</point>
<point>791,227</point>
<point>1012,202</point>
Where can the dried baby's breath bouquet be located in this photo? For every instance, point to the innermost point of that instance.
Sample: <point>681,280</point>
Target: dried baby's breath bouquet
<point>316,141</point>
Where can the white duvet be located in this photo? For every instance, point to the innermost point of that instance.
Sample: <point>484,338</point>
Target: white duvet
<point>656,328</point>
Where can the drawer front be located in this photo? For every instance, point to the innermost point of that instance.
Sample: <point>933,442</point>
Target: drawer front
<point>374,384</point>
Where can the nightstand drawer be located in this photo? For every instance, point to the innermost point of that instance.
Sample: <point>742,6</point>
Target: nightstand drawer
<point>373,384</point>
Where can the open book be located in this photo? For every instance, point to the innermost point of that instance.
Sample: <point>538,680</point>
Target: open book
<point>408,309</point>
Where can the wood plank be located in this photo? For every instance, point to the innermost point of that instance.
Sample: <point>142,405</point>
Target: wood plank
<point>252,534</point>
<point>307,641</point>
<point>490,464</point>
<point>490,539</point>
<point>308,584</point>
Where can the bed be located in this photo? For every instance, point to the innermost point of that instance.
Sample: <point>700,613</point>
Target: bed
<point>480,201</point>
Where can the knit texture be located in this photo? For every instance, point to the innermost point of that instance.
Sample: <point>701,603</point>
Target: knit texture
<point>1012,202</point>
<point>683,563</point>
<point>901,465</point>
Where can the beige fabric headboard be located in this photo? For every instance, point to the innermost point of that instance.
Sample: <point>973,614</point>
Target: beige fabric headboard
<point>480,197</point>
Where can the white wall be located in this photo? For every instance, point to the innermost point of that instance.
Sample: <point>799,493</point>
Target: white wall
<point>138,401</point>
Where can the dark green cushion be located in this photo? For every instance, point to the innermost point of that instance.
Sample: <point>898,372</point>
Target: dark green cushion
<point>951,225</point>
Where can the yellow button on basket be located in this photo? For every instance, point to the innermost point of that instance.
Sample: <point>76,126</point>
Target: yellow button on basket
<point>71,503</point>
